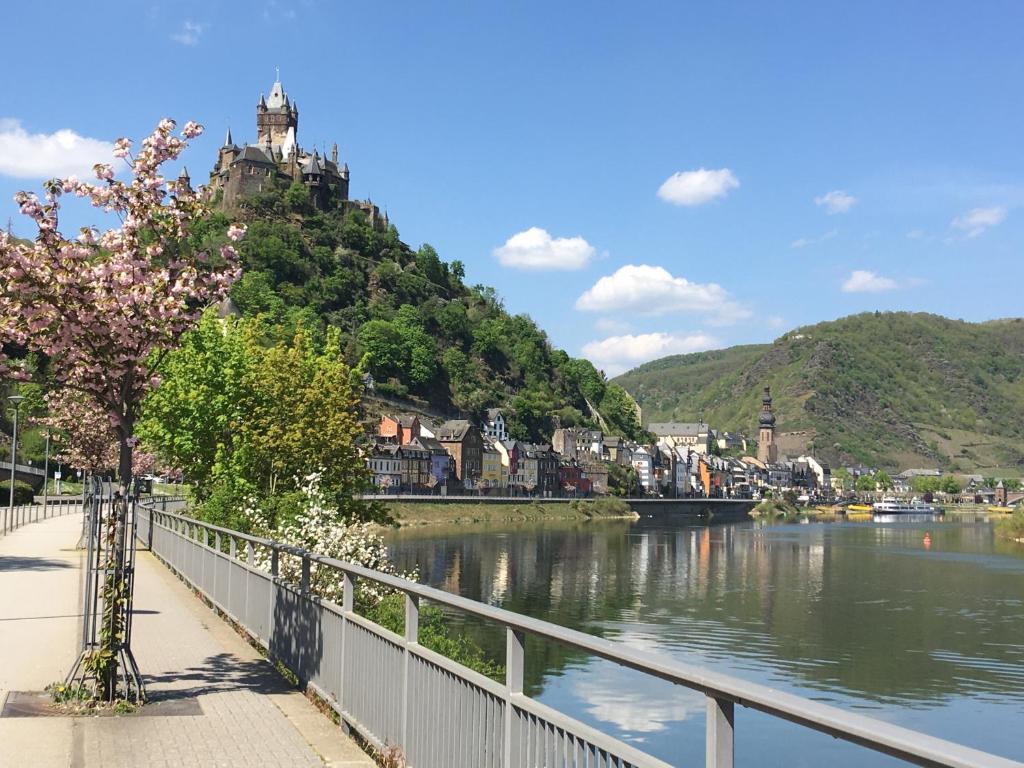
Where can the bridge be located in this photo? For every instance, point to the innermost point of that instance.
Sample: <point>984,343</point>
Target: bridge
<point>24,472</point>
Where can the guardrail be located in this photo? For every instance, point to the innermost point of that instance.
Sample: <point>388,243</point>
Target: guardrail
<point>23,514</point>
<point>396,693</point>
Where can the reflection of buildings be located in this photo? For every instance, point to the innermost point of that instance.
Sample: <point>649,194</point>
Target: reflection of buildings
<point>852,611</point>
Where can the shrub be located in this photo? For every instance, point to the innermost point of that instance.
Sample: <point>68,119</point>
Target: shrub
<point>23,493</point>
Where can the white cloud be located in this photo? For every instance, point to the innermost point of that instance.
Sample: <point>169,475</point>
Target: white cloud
<point>863,281</point>
<point>697,187</point>
<point>836,201</point>
<point>616,354</point>
<point>535,249</point>
<point>63,153</point>
<point>649,290</point>
<point>189,33</point>
<point>977,220</point>
<point>803,242</point>
<point>916,234</point>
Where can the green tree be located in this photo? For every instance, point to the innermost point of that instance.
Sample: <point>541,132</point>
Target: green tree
<point>382,342</point>
<point>193,418</point>
<point>297,197</point>
<point>883,480</point>
<point>866,483</point>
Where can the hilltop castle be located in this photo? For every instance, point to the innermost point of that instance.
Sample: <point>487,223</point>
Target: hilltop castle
<point>277,160</point>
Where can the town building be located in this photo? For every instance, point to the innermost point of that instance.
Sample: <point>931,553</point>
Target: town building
<point>767,451</point>
<point>493,474</point>
<point>385,467</point>
<point>509,452</point>
<point>402,429</point>
<point>442,465</point>
<point>465,444</point>
<point>693,435</point>
<point>577,442</point>
<point>494,425</point>
<point>643,464</point>
<point>538,467</point>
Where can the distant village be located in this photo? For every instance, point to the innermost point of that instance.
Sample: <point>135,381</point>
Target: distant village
<point>411,454</point>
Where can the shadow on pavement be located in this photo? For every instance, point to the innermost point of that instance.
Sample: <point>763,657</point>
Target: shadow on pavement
<point>217,674</point>
<point>16,563</point>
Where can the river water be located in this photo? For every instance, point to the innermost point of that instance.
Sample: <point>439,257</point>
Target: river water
<point>918,624</point>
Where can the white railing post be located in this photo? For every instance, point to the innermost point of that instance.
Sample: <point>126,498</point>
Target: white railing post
<point>515,643</point>
<point>412,633</point>
<point>347,606</point>
<point>718,749</point>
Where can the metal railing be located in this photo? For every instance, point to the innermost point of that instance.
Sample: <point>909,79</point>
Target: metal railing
<point>12,518</point>
<point>396,693</point>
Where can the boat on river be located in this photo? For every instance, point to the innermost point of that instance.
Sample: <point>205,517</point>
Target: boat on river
<point>890,505</point>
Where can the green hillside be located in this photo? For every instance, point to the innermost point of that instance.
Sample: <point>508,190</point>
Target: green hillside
<point>888,389</point>
<point>407,317</point>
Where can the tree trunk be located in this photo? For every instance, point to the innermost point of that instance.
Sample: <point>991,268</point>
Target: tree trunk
<point>115,585</point>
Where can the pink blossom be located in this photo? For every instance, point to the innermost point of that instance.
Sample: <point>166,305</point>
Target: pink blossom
<point>236,232</point>
<point>122,147</point>
<point>100,314</point>
<point>191,130</point>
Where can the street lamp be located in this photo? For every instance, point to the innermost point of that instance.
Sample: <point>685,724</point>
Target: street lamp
<point>16,399</point>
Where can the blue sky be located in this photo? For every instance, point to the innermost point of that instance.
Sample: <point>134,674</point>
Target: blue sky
<point>701,175</point>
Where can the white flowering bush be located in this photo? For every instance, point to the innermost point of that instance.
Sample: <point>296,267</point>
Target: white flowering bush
<point>321,528</point>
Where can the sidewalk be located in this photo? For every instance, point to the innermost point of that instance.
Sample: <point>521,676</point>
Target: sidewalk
<point>230,707</point>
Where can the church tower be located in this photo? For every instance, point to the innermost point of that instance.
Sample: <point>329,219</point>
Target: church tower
<point>767,452</point>
<point>276,115</point>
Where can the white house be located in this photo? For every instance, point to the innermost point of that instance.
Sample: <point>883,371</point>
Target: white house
<point>494,426</point>
<point>643,463</point>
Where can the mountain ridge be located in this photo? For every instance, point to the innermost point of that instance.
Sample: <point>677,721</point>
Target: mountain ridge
<point>892,389</point>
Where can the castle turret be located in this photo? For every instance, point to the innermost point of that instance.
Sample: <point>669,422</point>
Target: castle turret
<point>334,153</point>
<point>275,115</point>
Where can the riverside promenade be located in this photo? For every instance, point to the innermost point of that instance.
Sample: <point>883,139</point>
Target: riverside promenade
<point>214,701</point>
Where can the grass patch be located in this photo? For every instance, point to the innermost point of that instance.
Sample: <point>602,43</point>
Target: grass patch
<point>407,514</point>
<point>1012,527</point>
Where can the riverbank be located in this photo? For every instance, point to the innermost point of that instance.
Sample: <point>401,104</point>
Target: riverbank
<point>407,514</point>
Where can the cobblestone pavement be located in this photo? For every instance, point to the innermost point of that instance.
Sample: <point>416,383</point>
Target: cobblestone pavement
<point>190,659</point>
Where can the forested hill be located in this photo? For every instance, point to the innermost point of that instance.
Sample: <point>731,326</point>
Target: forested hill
<point>408,318</point>
<point>888,389</point>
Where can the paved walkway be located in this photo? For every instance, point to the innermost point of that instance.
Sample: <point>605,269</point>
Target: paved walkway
<point>249,716</point>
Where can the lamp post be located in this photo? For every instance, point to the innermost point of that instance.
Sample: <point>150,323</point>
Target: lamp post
<point>16,399</point>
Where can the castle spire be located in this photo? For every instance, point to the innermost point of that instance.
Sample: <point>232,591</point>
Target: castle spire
<point>227,138</point>
<point>334,153</point>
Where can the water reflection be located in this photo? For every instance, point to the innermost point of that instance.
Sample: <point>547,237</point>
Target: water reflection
<point>903,617</point>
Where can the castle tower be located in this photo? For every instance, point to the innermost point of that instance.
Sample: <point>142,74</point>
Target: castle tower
<point>275,115</point>
<point>767,451</point>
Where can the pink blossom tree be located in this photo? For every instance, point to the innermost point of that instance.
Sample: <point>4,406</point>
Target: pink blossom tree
<point>105,308</point>
<point>85,437</point>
